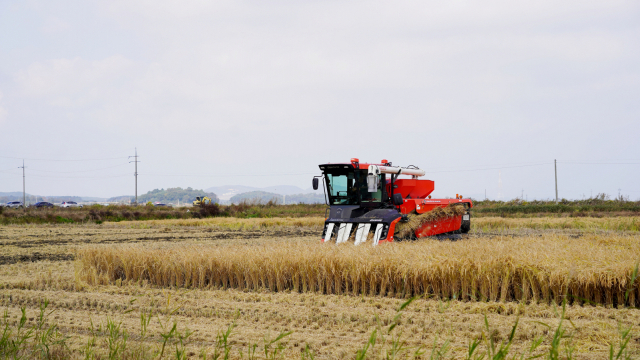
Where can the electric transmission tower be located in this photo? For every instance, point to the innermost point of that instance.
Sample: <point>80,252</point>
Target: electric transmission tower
<point>135,161</point>
<point>24,196</point>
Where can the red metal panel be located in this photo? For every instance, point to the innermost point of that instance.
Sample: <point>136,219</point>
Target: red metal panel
<point>413,188</point>
<point>392,229</point>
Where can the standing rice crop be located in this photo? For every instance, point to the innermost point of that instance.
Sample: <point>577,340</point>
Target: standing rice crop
<point>592,269</point>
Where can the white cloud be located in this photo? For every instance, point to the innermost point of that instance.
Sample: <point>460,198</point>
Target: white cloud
<point>3,111</point>
<point>245,82</point>
<point>55,25</point>
<point>68,75</point>
<point>74,82</point>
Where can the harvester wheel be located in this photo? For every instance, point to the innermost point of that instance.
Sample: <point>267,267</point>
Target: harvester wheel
<point>466,224</point>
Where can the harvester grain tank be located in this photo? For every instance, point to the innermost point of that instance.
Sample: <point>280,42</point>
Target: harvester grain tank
<point>370,203</point>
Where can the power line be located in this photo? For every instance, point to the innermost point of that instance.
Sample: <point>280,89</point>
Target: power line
<point>80,171</point>
<point>516,165</point>
<point>488,165</point>
<point>599,163</point>
<point>79,177</point>
<point>113,158</point>
<point>488,168</point>
<point>7,170</point>
<point>224,175</point>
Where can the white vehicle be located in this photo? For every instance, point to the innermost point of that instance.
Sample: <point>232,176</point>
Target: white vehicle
<point>68,204</point>
<point>14,204</point>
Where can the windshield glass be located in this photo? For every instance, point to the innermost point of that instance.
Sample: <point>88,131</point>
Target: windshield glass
<point>349,187</point>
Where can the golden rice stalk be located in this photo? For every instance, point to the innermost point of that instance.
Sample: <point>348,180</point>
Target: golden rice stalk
<point>592,269</point>
<point>415,221</point>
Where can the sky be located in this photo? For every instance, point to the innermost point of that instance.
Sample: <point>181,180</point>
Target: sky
<point>258,93</point>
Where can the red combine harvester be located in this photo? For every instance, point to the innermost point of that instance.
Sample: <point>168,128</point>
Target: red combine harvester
<point>367,201</point>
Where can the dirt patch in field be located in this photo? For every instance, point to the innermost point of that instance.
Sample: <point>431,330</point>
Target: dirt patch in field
<point>12,259</point>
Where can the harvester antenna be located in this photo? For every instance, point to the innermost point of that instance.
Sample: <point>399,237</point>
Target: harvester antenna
<point>136,161</point>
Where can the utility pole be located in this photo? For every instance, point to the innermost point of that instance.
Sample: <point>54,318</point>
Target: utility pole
<point>555,166</point>
<point>24,196</point>
<point>135,161</point>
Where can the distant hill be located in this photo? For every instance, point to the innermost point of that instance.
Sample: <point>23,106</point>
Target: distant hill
<point>12,193</point>
<point>260,196</point>
<point>226,192</point>
<point>306,198</point>
<point>121,199</point>
<point>263,197</point>
<point>93,198</point>
<point>31,199</point>
<point>5,197</point>
<point>59,199</point>
<point>175,195</point>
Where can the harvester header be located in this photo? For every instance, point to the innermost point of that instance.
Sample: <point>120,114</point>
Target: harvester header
<point>370,203</point>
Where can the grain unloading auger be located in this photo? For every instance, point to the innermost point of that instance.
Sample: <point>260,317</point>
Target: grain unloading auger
<point>370,203</point>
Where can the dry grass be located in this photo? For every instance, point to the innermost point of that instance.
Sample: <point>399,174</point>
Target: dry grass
<point>538,268</point>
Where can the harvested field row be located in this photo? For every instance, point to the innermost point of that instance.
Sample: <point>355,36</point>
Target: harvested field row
<point>116,213</point>
<point>12,259</point>
<point>239,224</point>
<point>332,326</point>
<point>58,243</point>
<point>623,223</point>
<point>592,269</point>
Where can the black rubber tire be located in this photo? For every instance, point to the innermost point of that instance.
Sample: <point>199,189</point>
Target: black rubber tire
<point>465,227</point>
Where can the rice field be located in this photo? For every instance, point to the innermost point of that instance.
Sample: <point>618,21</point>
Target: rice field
<point>116,290</point>
<point>223,223</point>
<point>478,225</point>
<point>622,223</point>
<point>589,269</point>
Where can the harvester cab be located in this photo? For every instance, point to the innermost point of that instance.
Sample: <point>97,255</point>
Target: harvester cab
<point>371,203</point>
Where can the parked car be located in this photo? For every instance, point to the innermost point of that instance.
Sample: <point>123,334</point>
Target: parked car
<point>14,204</point>
<point>43,204</point>
<point>68,204</point>
<point>161,204</point>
